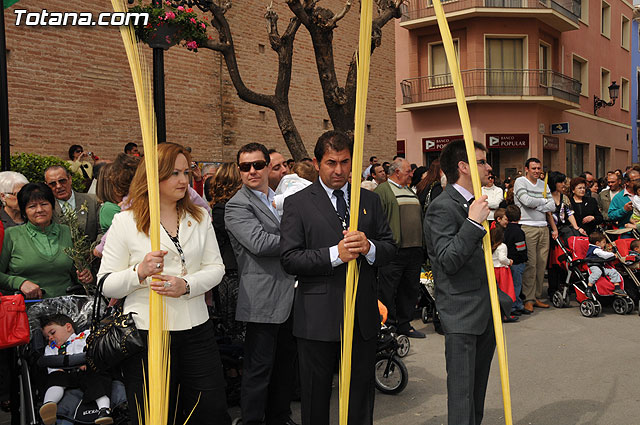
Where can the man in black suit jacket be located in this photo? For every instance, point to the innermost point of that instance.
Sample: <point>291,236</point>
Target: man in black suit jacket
<point>454,234</point>
<point>316,246</point>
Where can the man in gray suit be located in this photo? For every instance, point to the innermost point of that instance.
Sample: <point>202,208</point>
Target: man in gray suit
<point>59,180</point>
<point>615,186</point>
<point>454,234</point>
<point>265,295</point>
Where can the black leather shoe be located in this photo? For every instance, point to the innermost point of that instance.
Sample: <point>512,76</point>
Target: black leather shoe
<point>290,422</point>
<point>104,417</point>
<point>412,333</point>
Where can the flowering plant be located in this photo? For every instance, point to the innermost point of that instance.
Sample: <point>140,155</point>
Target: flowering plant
<point>189,30</point>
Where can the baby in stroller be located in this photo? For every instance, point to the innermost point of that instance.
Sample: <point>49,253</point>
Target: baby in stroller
<point>59,331</point>
<point>596,258</point>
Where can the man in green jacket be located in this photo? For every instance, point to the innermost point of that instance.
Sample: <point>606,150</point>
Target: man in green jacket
<point>620,209</point>
<point>398,281</point>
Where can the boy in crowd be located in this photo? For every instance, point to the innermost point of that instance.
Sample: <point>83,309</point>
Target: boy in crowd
<point>500,217</point>
<point>516,243</point>
<point>597,243</point>
<point>59,330</point>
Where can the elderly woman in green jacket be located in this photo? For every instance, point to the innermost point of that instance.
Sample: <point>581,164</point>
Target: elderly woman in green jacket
<point>33,260</point>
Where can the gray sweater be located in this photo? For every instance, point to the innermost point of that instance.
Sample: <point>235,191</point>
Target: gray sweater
<point>532,203</point>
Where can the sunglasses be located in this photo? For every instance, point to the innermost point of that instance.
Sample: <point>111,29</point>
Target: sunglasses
<point>54,183</point>
<point>245,167</point>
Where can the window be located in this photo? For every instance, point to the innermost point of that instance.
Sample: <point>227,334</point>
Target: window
<point>605,82</point>
<point>440,75</point>
<point>505,60</point>
<point>601,160</point>
<point>584,11</point>
<point>624,94</point>
<point>581,73</point>
<point>626,32</point>
<point>544,63</point>
<point>605,20</point>
<point>575,159</point>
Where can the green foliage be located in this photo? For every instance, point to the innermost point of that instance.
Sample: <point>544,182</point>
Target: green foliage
<point>32,166</point>
<point>81,250</point>
<point>191,30</point>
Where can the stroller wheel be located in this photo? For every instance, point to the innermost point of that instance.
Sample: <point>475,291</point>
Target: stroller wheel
<point>588,308</point>
<point>403,345</point>
<point>557,300</point>
<point>620,305</point>
<point>391,374</point>
<point>630,305</point>
<point>425,315</point>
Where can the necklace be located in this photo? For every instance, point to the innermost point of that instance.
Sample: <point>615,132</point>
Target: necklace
<point>176,242</point>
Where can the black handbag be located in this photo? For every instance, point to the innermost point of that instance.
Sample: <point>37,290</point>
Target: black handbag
<point>114,335</point>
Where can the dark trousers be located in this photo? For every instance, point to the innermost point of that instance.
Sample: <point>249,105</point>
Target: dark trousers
<point>468,363</point>
<point>399,286</point>
<point>93,384</point>
<point>556,276</point>
<point>268,375</point>
<point>317,366</point>
<point>195,367</point>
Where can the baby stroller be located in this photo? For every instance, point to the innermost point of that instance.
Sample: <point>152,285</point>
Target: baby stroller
<point>427,301</point>
<point>32,375</point>
<point>573,259</point>
<point>627,266</point>
<point>391,375</point>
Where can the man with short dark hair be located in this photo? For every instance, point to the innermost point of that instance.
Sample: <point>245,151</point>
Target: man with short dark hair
<point>60,181</point>
<point>529,194</point>
<point>316,245</point>
<point>131,149</point>
<point>614,183</point>
<point>279,168</point>
<point>453,235</point>
<point>367,171</point>
<point>399,281</point>
<point>588,176</point>
<point>265,294</point>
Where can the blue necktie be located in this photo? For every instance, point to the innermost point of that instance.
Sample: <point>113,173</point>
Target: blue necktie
<point>341,205</point>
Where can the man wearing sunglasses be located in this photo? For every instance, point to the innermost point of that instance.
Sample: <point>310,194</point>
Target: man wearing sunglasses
<point>60,181</point>
<point>316,245</point>
<point>265,295</point>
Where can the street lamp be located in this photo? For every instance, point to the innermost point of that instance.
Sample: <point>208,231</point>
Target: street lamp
<point>598,103</point>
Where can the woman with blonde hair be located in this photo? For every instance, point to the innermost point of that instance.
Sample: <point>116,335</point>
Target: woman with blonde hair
<point>187,266</point>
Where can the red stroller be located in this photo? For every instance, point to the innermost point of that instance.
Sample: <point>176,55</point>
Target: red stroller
<point>573,259</point>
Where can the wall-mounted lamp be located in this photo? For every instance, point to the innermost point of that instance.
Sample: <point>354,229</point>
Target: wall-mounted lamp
<point>598,103</point>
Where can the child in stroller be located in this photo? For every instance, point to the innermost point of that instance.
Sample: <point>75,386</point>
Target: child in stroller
<point>59,330</point>
<point>596,258</point>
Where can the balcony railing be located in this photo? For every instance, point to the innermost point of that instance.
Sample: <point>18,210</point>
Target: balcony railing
<point>492,82</point>
<point>416,9</point>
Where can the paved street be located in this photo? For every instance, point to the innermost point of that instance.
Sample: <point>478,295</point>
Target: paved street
<point>564,369</point>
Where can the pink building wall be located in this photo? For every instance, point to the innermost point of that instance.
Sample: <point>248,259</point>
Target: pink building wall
<point>609,129</point>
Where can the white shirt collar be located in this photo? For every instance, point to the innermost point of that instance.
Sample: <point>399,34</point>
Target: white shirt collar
<point>71,201</point>
<point>330,191</point>
<point>462,191</point>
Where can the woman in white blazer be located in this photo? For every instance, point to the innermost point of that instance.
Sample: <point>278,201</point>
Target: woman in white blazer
<point>188,265</point>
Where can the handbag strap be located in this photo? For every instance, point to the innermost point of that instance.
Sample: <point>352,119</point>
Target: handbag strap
<point>97,301</point>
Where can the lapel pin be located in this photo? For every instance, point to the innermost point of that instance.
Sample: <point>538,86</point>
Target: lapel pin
<point>189,223</point>
<point>466,206</point>
<point>364,211</point>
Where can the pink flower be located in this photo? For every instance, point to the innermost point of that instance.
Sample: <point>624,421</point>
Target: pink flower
<point>167,39</point>
<point>169,15</point>
<point>180,8</point>
<point>193,21</point>
<point>192,45</point>
<point>168,3</point>
<point>204,27</point>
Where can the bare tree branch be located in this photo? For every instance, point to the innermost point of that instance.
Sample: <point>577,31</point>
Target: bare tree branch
<point>341,14</point>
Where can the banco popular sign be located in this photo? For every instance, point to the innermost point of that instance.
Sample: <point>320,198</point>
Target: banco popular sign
<point>436,144</point>
<point>507,141</point>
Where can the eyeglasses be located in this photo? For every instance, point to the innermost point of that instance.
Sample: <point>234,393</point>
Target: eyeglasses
<point>54,183</point>
<point>245,167</point>
<point>492,178</point>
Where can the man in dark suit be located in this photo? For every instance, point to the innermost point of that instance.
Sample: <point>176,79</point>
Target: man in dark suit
<point>316,246</point>
<point>59,180</point>
<point>454,234</point>
<point>265,295</point>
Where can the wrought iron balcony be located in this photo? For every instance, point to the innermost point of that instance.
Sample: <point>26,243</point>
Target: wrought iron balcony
<point>494,85</point>
<point>418,13</point>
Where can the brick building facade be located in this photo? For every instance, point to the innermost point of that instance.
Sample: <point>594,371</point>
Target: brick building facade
<point>72,85</point>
